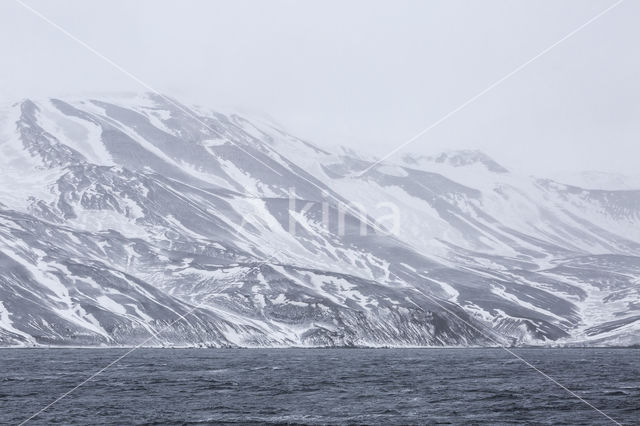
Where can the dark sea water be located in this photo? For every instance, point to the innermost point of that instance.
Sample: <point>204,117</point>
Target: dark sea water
<point>355,386</point>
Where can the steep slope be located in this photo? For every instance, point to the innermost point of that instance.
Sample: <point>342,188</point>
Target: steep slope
<point>138,219</point>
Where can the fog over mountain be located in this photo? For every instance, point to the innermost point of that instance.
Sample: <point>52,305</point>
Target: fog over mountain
<point>366,74</point>
<point>138,219</point>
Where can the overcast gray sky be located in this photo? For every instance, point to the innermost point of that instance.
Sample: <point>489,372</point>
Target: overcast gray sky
<point>365,74</point>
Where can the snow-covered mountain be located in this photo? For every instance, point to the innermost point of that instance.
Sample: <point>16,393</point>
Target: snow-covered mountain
<point>129,220</point>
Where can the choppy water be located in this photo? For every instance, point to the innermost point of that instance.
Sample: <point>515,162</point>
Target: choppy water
<point>319,386</point>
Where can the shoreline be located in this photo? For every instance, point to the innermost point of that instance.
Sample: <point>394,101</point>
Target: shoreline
<point>541,347</point>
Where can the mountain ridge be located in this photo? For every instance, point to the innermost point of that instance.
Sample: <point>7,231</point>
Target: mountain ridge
<point>117,217</point>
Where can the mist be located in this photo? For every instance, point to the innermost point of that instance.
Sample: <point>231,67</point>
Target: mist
<point>362,74</point>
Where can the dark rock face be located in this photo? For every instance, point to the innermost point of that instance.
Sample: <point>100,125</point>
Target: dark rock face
<point>138,220</point>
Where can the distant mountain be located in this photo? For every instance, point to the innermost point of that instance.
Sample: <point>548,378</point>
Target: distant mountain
<point>128,220</point>
<point>458,158</point>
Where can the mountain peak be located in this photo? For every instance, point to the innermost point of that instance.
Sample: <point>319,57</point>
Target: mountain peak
<point>459,158</point>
